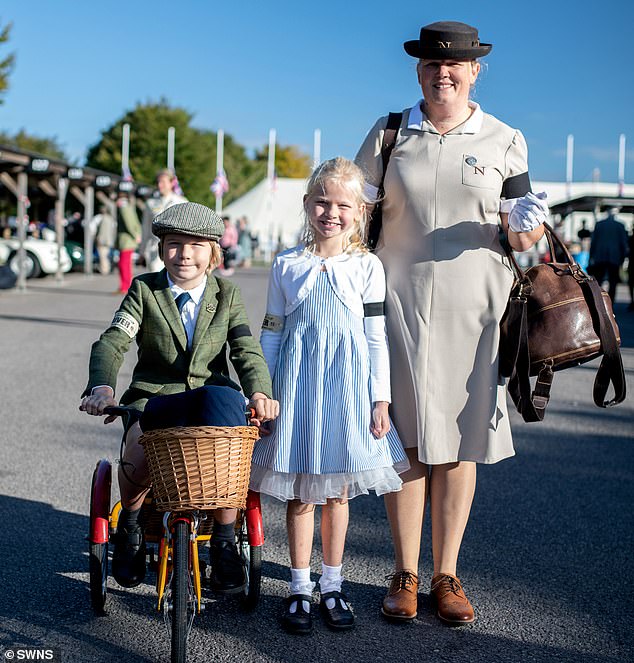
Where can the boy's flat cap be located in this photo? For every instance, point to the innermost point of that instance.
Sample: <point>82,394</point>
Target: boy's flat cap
<point>189,219</point>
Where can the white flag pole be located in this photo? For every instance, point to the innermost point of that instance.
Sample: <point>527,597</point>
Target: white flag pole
<point>125,149</point>
<point>270,174</point>
<point>570,146</point>
<point>220,155</point>
<point>316,148</point>
<point>621,164</point>
<point>171,143</point>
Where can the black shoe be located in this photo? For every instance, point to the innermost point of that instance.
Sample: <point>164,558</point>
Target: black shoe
<point>227,570</point>
<point>340,617</point>
<point>128,559</point>
<point>299,622</point>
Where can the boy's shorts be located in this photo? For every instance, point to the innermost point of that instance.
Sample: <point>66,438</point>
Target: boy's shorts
<point>205,406</point>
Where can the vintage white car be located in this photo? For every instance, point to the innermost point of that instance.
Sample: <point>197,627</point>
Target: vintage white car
<point>40,256</point>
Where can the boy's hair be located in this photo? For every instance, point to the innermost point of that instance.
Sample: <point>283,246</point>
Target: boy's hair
<point>347,174</point>
<point>214,261</point>
<point>191,219</point>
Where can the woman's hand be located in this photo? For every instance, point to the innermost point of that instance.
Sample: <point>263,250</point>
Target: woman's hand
<point>380,419</point>
<point>266,409</point>
<point>528,213</point>
<point>100,398</point>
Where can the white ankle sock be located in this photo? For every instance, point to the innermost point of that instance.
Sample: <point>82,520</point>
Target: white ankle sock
<point>300,584</point>
<point>331,578</point>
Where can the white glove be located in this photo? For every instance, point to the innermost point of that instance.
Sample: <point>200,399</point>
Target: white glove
<point>528,213</point>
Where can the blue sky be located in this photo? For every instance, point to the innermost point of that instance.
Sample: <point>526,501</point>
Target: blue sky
<point>557,68</point>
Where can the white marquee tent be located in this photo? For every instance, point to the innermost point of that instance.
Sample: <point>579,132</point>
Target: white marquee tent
<point>275,213</point>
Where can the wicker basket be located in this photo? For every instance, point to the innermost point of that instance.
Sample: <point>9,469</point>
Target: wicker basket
<point>200,467</point>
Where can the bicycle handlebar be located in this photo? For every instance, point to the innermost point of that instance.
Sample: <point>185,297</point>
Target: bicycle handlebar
<point>127,413</point>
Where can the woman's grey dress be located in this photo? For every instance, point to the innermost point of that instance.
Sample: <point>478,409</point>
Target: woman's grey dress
<point>448,280</point>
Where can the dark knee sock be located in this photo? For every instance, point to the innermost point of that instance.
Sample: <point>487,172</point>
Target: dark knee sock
<point>128,519</point>
<point>223,532</point>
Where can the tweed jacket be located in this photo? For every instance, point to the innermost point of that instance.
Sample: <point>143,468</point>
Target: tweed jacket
<point>148,314</point>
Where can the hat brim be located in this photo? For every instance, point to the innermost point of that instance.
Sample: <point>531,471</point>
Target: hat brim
<point>415,49</point>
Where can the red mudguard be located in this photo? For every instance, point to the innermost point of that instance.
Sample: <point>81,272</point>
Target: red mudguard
<point>255,530</point>
<point>100,502</point>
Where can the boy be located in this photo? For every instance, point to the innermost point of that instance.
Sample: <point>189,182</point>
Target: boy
<point>182,319</point>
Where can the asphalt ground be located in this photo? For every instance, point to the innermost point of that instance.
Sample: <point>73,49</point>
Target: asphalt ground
<point>546,558</point>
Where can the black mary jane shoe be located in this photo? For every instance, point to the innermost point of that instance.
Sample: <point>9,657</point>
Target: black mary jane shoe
<point>299,622</point>
<point>340,617</point>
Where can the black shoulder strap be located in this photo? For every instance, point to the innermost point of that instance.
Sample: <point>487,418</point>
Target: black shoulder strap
<point>389,139</point>
<point>387,145</point>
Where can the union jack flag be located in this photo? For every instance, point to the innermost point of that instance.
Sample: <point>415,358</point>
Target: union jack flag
<point>220,185</point>
<point>176,187</point>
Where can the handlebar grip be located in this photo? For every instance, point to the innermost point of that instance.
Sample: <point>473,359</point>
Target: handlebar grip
<point>120,410</point>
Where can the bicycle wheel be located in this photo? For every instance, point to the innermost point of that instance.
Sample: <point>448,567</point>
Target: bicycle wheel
<point>180,594</point>
<point>99,534</point>
<point>252,560</point>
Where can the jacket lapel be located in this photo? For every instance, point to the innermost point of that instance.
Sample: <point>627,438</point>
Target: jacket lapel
<point>206,312</point>
<point>167,305</point>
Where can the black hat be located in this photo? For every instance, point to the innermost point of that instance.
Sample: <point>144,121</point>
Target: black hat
<point>447,40</point>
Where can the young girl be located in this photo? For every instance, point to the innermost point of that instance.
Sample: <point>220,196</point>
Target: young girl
<point>324,341</point>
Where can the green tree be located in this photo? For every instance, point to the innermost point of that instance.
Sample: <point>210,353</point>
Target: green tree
<point>7,63</point>
<point>49,147</point>
<point>289,161</point>
<point>194,154</point>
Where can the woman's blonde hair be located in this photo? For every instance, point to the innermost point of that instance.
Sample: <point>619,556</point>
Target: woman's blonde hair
<point>347,174</point>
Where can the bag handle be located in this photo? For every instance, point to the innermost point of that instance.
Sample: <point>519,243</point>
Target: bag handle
<point>532,403</point>
<point>387,145</point>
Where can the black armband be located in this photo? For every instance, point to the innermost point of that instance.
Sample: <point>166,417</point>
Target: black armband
<point>373,308</point>
<point>516,186</point>
<point>238,332</point>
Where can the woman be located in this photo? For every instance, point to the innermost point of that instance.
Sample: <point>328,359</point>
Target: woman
<point>454,176</point>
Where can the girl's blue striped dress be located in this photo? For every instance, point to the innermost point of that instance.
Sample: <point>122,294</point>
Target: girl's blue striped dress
<point>321,446</point>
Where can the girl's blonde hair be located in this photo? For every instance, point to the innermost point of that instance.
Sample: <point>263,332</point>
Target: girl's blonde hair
<point>347,174</point>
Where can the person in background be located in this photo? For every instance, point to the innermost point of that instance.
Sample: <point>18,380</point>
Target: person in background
<point>229,245</point>
<point>630,270</point>
<point>169,194</point>
<point>128,238</point>
<point>456,175</point>
<point>608,250</point>
<point>583,232</point>
<point>105,238</point>
<point>244,242</point>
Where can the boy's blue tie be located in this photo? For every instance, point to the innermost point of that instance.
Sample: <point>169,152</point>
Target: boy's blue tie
<point>181,300</point>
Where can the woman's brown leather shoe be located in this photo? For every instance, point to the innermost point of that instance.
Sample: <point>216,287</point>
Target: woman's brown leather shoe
<point>401,599</point>
<point>452,604</point>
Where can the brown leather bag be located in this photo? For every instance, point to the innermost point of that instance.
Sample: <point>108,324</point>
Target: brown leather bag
<point>557,317</point>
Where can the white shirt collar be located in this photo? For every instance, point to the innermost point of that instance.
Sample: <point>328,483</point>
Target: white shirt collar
<point>418,120</point>
<point>195,293</point>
